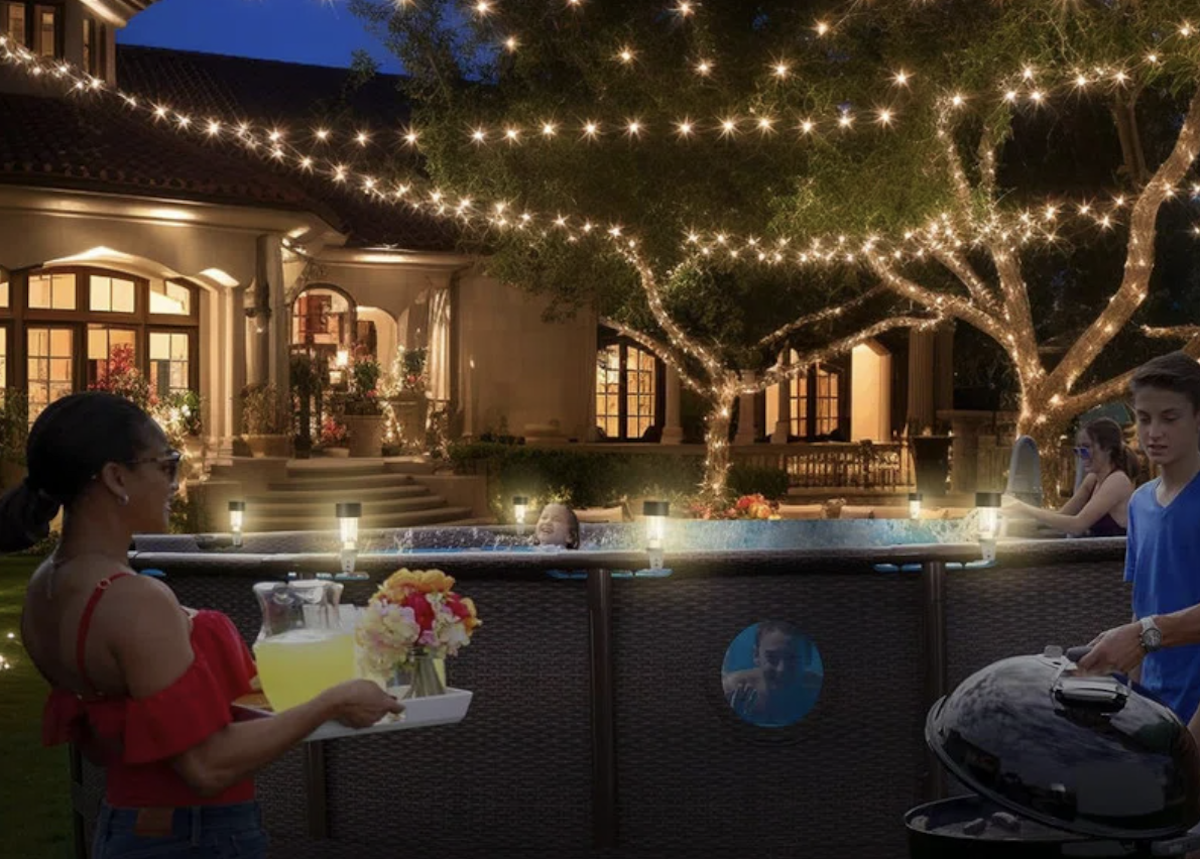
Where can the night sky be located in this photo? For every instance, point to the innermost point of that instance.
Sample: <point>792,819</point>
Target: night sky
<point>322,32</point>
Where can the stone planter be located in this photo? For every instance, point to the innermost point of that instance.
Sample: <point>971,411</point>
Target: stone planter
<point>411,410</point>
<point>366,434</point>
<point>269,445</point>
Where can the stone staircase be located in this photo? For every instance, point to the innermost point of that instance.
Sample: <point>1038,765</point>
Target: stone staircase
<point>390,492</point>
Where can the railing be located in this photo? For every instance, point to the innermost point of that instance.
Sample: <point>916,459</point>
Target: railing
<point>864,465</point>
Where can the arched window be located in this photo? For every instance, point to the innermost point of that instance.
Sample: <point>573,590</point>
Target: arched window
<point>628,390</point>
<point>60,328</point>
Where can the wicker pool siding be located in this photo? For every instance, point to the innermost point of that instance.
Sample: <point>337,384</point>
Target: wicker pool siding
<point>515,777</point>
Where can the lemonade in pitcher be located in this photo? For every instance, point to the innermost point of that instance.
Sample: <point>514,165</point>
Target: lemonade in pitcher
<point>303,647</point>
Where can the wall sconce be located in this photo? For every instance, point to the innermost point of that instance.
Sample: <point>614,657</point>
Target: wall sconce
<point>342,360</point>
<point>914,505</point>
<point>988,505</point>
<point>237,514</point>
<point>520,508</point>
<point>655,513</point>
<point>348,514</point>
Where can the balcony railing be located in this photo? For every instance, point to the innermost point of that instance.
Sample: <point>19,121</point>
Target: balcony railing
<point>863,465</point>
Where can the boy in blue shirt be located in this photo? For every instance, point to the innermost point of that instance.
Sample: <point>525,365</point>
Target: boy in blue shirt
<point>1162,556</point>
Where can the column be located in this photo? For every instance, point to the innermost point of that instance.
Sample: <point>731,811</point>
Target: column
<point>783,425</point>
<point>943,367</point>
<point>920,381</point>
<point>672,424</point>
<point>278,318</point>
<point>234,311</point>
<point>747,414</point>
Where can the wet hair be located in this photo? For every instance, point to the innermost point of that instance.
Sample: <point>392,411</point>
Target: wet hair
<point>70,442</point>
<point>1106,434</point>
<point>572,527</point>
<point>766,627</point>
<point>1177,372</point>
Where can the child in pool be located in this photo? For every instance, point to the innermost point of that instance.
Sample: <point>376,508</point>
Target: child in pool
<point>557,526</point>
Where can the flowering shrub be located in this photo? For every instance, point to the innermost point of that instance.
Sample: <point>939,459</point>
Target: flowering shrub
<point>119,375</point>
<point>413,609</point>
<point>747,507</point>
<point>333,433</point>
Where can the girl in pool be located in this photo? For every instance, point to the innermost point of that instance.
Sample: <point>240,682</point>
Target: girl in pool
<point>557,526</point>
<point>143,686</point>
<point>1100,507</point>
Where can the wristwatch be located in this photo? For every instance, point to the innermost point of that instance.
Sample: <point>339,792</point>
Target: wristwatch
<point>1151,636</point>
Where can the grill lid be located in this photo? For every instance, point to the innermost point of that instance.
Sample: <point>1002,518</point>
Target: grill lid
<point>1091,754</point>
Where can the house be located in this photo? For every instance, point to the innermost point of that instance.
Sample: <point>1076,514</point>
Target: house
<point>122,224</point>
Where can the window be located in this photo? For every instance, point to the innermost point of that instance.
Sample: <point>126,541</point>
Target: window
<point>828,407</point>
<point>51,355</point>
<point>15,22</point>
<point>320,317</point>
<point>94,46</point>
<point>113,294</point>
<point>626,391</point>
<point>3,292</point>
<point>798,394</point>
<point>45,42</point>
<point>102,346</point>
<point>169,362</point>
<point>3,358</point>
<point>170,299</point>
<point>52,292</point>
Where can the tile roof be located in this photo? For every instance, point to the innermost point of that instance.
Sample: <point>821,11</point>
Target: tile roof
<point>82,144</point>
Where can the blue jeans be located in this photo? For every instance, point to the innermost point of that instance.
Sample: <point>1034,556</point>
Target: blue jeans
<point>198,832</point>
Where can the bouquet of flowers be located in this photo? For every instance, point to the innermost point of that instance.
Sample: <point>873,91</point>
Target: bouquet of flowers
<point>413,611</point>
<point>754,506</point>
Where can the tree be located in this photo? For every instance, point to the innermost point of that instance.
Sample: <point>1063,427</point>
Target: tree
<point>504,118</point>
<point>887,138</point>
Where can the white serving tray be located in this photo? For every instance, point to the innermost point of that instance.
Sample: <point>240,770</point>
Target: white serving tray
<point>448,709</point>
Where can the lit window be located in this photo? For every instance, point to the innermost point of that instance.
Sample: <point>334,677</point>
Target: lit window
<point>626,391</point>
<point>15,22</point>
<point>3,293</point>
<point>169,362</point>
<point>170,299</point>
<point>52,292</point>
<point>102,347</point>
<point>3,358</point>
<point>51,352</point>
<point>93,47</point>
<point>113,294</point>
<point>46,35</point>
<point>828,412</point>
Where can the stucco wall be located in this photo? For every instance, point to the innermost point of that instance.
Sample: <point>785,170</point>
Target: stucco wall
<point>526,371</point>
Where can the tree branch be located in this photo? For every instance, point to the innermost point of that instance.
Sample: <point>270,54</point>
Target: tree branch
<point>963,270</point>
<point>1139,259</point>
<point>662,350</point>
<point>819,316</point>
<point>781,372</point>
<point>1172,332</point>
<point>949,305</point>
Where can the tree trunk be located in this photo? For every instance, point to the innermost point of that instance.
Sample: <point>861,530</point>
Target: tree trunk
<point>716,440</point>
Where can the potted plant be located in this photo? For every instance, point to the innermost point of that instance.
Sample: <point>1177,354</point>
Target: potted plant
<point>264,423</point>
<point>407,395</point>
<point>308,383</point>
<point>334,439</point>
<point>362,411</point>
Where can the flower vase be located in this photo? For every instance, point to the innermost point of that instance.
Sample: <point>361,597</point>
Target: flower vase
<point>422,676</point>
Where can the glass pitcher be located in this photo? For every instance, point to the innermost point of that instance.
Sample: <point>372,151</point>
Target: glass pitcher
<point>303,647</point>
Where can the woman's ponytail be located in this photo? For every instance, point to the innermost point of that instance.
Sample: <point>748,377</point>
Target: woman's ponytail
<point>25,517</point>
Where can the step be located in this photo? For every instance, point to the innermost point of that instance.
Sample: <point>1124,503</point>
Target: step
<point>276,507</point>
<point>352,493</point>
<point>435,516</point>
<point>409,466</point>
<point>364,482</point>
<point>334,467</point>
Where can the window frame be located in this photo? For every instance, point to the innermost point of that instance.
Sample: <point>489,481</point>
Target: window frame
<point>193,336</point>
<point>624,344</point>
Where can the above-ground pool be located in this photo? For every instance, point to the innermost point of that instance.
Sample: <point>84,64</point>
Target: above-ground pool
<point>599,725</point>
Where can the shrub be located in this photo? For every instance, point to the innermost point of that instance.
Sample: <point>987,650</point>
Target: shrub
<point>261,410</point>
<point>771,483</point>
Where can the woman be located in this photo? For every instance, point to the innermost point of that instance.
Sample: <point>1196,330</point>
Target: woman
<point>141,684</point>
<point>1100,507</point>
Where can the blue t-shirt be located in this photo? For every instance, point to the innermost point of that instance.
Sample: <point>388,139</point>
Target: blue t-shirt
<point>1162,559</point>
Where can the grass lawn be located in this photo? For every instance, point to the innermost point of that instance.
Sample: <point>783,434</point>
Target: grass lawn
<point>35,796</point>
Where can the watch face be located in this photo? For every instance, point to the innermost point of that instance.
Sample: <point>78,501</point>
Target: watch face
<point>1152,639</point>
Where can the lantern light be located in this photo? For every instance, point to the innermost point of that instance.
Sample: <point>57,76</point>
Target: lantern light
<point>988,505</point>
<point>655,513</point>
<point>914,505</point>
<point>348,514</point>
<point>237,514</point>
<point>520,508</point>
